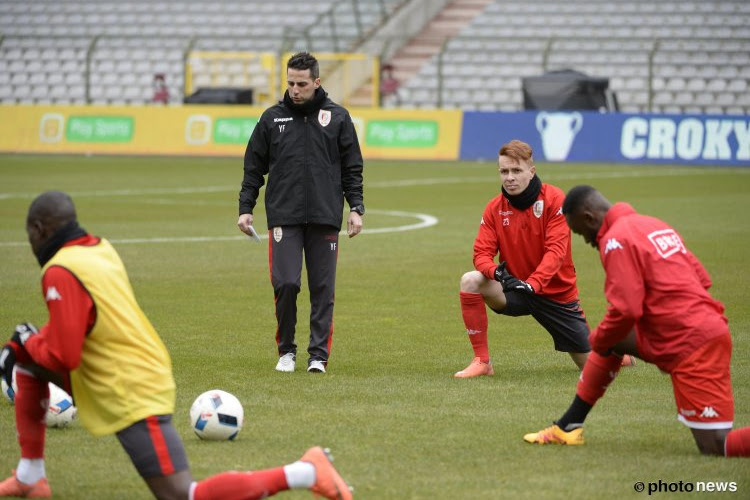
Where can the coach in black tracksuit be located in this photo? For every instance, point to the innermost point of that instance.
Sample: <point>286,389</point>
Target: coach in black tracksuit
<point>308,146</point>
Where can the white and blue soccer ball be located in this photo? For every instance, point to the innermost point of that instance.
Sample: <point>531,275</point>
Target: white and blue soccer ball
<point>61,411</point>
<point>217,415</point>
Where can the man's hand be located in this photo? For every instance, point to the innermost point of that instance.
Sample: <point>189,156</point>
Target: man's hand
<point>244,222</point>
<point>511,283</point>
<point>9,352</point>
<point>353,224</point>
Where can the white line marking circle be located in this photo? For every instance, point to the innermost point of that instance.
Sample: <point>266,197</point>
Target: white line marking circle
<point>425,221</point>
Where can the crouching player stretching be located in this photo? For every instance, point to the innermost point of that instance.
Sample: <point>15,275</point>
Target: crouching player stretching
<point>100,347</point>
<point>659,310</point>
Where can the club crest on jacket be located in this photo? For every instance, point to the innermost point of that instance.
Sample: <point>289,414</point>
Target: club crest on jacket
<point>538,208</point>
<point>324,117</point>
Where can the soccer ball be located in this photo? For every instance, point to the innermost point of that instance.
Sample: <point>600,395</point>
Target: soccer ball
<point>217,416</point>
<point>9,392</point>
<point>61,411</point>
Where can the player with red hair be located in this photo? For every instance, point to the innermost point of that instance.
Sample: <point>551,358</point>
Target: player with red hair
<point>525,226</point>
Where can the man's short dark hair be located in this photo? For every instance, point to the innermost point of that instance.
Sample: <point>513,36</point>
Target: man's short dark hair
<point>576,198</point>
<point>303,61</point>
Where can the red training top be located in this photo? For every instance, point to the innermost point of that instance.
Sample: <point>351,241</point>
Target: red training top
<point>655,285</point>
<point>535,244</point>
<point>72,314</point>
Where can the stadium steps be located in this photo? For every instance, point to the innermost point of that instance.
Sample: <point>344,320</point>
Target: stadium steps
<point>455,16</point>
<point>409,60</point>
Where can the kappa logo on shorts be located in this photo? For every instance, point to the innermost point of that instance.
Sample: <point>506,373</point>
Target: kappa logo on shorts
<point>277,234</point>
<point>324,117</point>
<point>709,412</point>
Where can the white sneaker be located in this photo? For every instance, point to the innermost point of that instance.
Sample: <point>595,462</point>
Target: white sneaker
<point>316,367</point>
<point>286,363</point>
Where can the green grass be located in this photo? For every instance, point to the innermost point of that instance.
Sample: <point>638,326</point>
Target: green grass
<point>399,425</point>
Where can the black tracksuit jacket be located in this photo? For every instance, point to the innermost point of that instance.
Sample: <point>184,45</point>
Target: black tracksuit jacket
<point>312,157</point>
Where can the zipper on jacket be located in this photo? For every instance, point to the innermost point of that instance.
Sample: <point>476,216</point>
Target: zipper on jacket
<point>306,152</point>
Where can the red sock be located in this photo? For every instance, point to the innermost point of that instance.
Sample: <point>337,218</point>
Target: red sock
<point>241,485</point>
<point>598,372</point>
<point>737,443</point>
<point>30,414</point>
<point>475,320</point>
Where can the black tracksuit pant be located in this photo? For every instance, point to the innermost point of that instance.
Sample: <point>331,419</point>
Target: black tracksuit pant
<point>320,246</point>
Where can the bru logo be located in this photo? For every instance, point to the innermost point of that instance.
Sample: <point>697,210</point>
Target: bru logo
<point>558,130</point>
<point>666,242</point>
<point>198,129</point>
<point>51,127</point>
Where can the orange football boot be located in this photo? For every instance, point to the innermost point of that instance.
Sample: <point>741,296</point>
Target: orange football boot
<point>475,369</point>
<point>12,487</point>
<point>328,482</point>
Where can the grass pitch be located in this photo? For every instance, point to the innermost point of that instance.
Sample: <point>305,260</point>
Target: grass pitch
<point>399,425</point>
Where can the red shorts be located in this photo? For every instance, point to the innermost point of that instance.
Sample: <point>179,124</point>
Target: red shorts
<point>703,386</point>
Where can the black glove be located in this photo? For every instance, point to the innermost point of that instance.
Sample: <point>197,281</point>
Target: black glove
<point>9,352</point>
<point>7,362</point>
<point>511,283</point>
<point>500,272</point>
<point>22,333</point>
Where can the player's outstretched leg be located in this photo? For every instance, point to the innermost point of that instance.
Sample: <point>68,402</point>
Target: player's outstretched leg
<point>314,471</point>
<point>29,479</point>
<point>12,487</point>
<point>598,372</point>
<point>328,482</point>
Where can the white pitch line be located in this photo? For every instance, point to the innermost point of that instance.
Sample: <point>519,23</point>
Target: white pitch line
<point>130,192</point>
<point>430,181</point>
<point>425,220</point>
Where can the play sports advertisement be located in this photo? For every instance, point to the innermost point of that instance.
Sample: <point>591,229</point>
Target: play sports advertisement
<point>408,134</point>
<point>209,131</point>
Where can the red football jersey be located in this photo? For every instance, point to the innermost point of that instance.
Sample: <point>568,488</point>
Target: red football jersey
<point>655,285</point>
<point>535,244</point>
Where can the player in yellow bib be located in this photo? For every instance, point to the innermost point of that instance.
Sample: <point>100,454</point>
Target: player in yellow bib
<point>99,346</point>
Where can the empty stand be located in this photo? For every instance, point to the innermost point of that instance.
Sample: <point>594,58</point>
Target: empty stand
<point>660,56</point>
<point>108,51</point>
<point>669,56</point>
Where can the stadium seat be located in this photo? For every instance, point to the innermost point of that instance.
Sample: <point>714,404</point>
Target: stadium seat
<point>610,39</point>
<point>701,43</point>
